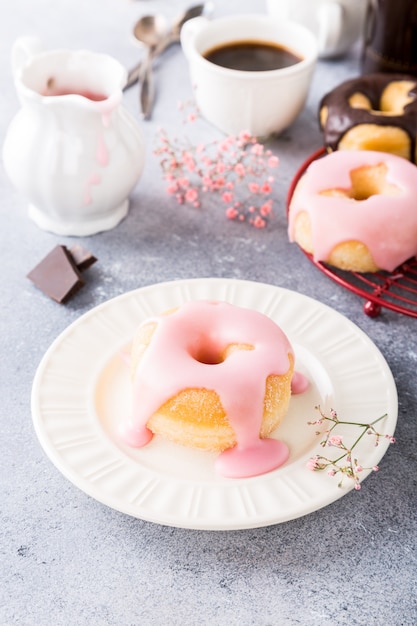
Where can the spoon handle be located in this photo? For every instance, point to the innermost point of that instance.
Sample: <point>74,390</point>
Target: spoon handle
<point>147,86</point>
<point>133,75</point>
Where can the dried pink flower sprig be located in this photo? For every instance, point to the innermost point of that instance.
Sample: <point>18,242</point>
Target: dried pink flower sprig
<point>237,168</point>
<point>345,464</point>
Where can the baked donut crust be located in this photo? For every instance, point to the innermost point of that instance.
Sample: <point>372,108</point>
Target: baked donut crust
<point>372,112</point>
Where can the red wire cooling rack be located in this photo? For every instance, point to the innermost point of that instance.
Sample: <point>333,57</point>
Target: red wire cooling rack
<point>396,290</point>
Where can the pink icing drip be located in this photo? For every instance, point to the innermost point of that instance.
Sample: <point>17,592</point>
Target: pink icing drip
<point>184,353</point>
<point>94,179</point>
<point>336,220</point>
<point>102,154</point>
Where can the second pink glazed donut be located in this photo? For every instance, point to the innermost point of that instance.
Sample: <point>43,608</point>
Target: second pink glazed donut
<point>356,210</point>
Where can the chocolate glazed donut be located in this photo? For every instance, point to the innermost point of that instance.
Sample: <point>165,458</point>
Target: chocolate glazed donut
<point>372,112</point>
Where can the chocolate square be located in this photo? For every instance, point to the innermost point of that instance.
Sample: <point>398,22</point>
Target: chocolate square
<point>82,257</point>
<point>57,275</point>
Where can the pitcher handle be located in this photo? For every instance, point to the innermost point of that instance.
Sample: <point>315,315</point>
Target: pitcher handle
<point>24,49</point>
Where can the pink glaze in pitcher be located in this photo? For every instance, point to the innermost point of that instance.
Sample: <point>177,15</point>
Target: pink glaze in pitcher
<point>72,149</point>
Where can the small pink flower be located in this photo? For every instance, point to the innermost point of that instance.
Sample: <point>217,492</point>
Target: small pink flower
<point>359,468</point>
<point>191,195</point>
<point>183,182</point>
<point>219,182</point>
<point>258,222</point>
<point>227,196</point>
<point>375,468</point>
<point>171,189</point>
<point>273,161</point>
<point>257,149</point>
<point>240,169</point>
<point>334,440</point>
<point>265,209</point>
<point>253,187</point>
<point>224,146</point>
<point>231,213</point>
<point>266,188</point>
<point>244,136</point>
<point>191,117</point>
<point>313,463</point>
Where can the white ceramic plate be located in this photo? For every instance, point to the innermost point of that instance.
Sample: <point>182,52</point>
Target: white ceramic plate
<point>82,387</point>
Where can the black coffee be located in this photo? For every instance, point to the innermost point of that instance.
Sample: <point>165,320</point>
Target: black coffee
<point>252,56</point>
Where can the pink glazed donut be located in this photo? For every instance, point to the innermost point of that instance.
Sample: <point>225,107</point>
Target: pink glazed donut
<point>356,210</point>
<point>214,376</point>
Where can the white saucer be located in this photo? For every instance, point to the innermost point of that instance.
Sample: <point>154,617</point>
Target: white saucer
<point>82,388</point>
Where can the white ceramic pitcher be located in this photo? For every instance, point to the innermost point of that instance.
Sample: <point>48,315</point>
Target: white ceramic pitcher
<point>72,150</point>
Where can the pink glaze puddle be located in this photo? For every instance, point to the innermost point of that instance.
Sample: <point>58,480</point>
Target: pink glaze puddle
<point>185,354</point>
<point>299,383</point>
<point>265,456</point>
<point>136,437</point>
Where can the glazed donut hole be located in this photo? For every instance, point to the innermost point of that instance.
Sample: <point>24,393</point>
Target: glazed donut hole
<point>367,181</point>
<point>394,98</point>
<point>207,352</point>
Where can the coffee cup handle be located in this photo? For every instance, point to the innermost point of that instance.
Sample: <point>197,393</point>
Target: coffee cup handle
<point>24,49</point>
<point>330,17</point>
<point>189,30</point>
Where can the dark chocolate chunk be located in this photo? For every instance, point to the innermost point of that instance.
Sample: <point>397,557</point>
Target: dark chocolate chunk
<point>82,257</point>
<point>57,275</point>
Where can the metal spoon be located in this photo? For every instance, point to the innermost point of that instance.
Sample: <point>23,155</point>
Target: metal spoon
<point>149,30</point>
<point>171,37</point>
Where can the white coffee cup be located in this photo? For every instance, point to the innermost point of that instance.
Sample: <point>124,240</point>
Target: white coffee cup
<point>337,24</point>
<point>261,102</point>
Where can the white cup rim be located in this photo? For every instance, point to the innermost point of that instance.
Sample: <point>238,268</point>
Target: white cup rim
<point>282,26</point>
